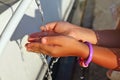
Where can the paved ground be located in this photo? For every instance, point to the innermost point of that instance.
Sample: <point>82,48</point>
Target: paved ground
<point>103,16</point>
<point>102,19</point>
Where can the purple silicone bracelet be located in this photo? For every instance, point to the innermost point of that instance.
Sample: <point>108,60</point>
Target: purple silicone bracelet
<point>89,59</point>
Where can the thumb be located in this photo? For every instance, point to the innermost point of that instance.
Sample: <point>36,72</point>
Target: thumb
<point>52,40</point>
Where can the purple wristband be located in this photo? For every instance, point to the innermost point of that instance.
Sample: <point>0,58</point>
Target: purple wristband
<point>83,62</point>
<point>89,59</point>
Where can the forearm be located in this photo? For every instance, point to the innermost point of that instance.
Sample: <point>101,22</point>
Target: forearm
<point>105,57</point>
<point>102,56</point>
<point>108,38</point>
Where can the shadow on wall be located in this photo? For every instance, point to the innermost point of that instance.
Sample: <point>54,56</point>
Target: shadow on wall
<point>29,24</point>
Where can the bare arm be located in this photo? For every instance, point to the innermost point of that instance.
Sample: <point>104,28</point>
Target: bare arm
<point>68,45</point>
<point>61,46</point>
<point>106,57</point>
<point>107,38</point>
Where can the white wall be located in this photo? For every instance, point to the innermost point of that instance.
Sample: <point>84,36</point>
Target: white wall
<point>15,65</point>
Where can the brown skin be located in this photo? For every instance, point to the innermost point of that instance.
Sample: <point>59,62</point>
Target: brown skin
<point>64,42</point>
<point>74,31</point>
<point>57,46</point>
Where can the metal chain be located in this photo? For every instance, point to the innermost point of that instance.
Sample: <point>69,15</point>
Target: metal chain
<point>52,64</point>
<point>49,71</point>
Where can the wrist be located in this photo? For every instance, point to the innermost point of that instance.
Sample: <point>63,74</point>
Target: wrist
<point>94,39</point>
<point>85,32</point>
<point>83,50</point>
<point>85,62</point>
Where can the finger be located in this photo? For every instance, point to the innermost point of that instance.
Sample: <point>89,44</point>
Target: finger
<point>38,47</point>
<point>53,40</point>
<point>49,26</point>
<point>34,39</point>
<point>33,47</point>
<point>36,36</point>
<point>43,28</point>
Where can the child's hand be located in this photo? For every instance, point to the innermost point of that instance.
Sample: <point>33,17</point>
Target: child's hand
<point>79,33</point>
<point>36,37</point>
<point>57,46</point>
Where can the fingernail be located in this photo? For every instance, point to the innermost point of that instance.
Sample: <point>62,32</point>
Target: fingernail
<point>44,40</point>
